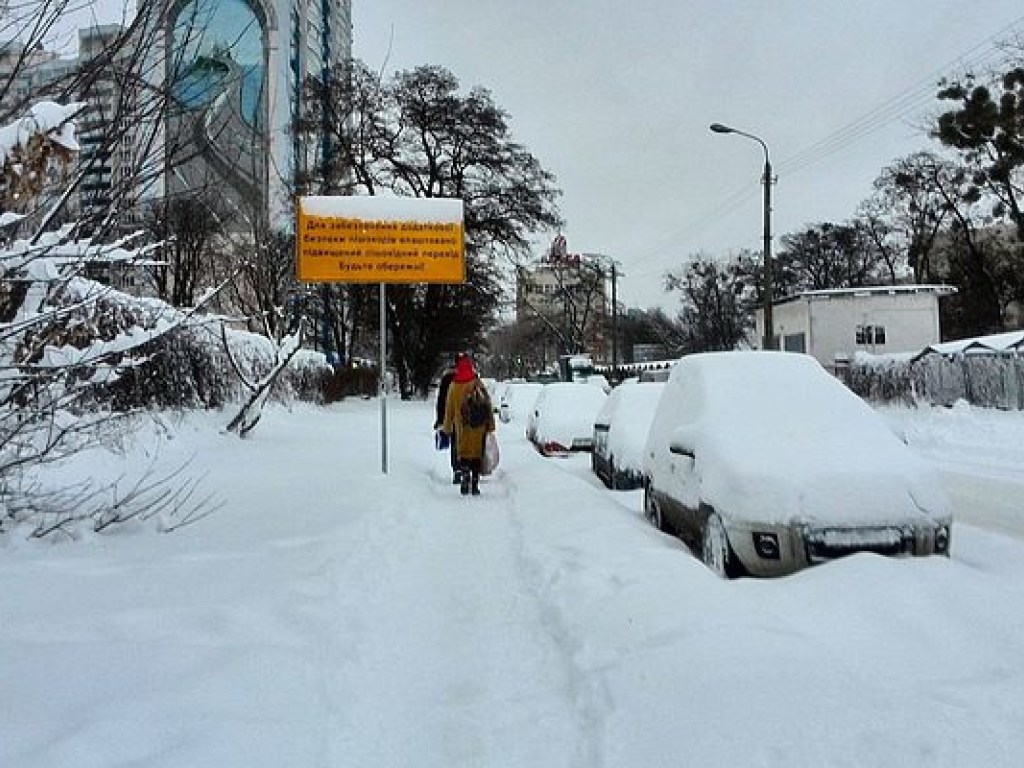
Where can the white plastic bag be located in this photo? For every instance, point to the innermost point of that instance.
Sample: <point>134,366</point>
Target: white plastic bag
<point>491,455</point>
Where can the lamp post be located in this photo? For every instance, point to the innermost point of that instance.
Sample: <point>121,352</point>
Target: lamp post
<point>769,330</point>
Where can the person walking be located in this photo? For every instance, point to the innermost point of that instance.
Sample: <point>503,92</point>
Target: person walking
<point>439,408</point>
<point>468,417</point>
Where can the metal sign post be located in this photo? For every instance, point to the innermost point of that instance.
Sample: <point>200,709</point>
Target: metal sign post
<point>380,240</point>
<point>383,380</point>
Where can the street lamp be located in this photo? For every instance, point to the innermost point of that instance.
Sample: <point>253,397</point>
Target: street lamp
<point>769,330</point>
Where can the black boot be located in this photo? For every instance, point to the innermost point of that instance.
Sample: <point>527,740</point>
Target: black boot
<point>476,484</point>
<point>456,477</point>
<point>464,484</point>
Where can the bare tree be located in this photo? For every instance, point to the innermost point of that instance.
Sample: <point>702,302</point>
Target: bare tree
<point>716,314</point>
<point>417,134</point>
<point>566,297</point>
<point>906,214</point>
<point>63,337</point>
<point>827,255</point>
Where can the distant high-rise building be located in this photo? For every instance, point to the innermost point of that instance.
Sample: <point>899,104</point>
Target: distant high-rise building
<point>108,131</point>
<point>236,68</point>
<point>109,98</point>
<point>25,73</point>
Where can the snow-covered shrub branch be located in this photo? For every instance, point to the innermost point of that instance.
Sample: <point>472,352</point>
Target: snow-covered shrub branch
<point>173,499</point>
<point>77,356</point>
<point>249,415</point>
<point>35,149</point>
<point>64,338</point>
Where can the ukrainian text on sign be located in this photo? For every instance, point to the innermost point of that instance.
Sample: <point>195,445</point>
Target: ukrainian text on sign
<point>344,249</point>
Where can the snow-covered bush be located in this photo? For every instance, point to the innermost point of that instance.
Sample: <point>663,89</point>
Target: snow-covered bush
<point>189,367</point>
<point>79,359</point>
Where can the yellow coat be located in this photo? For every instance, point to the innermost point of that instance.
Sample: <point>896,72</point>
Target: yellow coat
<point>469,440</point>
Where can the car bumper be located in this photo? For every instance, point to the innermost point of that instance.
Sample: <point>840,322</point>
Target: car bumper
<point>779,550</point>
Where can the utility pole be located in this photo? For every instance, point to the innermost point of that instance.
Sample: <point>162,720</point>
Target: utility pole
<point>615,275</point>
<point>615,323</point>
<point>769,267</point>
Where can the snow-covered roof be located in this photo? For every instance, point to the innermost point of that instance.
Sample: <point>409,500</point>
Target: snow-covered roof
<point>1011,341</point>
<point>869,290</point>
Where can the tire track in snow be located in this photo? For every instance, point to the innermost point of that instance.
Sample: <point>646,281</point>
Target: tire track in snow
<point>446,633</point>
<point>589,693</point>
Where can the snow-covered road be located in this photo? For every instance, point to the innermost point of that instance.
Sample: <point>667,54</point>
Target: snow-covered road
<point>979,454</point>
<point>993,503</point>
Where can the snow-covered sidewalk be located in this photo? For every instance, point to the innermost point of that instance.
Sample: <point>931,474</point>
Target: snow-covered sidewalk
<point>329,615</point>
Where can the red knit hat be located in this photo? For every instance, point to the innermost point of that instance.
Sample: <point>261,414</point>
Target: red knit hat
<point>464,369</point>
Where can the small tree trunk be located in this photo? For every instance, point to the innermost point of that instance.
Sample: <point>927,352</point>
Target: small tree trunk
<point>248,417</point>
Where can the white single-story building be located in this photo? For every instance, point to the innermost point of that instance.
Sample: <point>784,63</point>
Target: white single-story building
<point>832,325</point>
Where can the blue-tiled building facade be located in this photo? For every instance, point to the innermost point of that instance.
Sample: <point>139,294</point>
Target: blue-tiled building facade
<point>236,68</point>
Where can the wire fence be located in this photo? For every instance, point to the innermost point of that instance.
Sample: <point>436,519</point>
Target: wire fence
<point>990,380</point>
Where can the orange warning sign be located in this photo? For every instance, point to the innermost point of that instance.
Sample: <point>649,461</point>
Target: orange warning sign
<point>377,250</point>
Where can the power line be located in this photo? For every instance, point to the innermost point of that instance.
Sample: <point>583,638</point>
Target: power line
<point>911,99</point>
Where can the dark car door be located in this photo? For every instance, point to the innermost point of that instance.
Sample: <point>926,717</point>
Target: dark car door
<point>681,504</point>
<point>599,458</point>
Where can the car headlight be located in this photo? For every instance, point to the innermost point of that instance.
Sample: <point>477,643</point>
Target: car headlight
<point>942,540</point>
<point>767,545</point>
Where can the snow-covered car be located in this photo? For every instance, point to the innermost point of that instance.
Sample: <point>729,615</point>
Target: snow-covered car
<point>517,400</point>
<point>562,418</point>
<point>620,433</point>
<point>764,463</point>
<point>491,385</point>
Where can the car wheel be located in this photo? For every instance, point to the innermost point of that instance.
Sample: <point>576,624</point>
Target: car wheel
<point>651,510</point>
<point>715,550</point>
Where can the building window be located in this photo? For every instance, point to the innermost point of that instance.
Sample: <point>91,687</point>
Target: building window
<point>870,334</point>
<point>794,342</point>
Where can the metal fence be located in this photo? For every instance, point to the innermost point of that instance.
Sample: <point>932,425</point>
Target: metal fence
<point>991,380</point>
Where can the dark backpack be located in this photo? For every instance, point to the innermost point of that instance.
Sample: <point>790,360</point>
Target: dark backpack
<point>476,406</point>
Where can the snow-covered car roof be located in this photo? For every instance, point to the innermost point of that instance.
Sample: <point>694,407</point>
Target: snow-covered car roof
<point>564,413</point>
<point>518,398</point>
<point>627,413</point>
<point>777,438</point>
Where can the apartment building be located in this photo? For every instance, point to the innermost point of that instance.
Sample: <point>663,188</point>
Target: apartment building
<point>565,295</point>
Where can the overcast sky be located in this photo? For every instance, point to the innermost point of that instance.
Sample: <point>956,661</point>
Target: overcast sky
<point>615,99</point>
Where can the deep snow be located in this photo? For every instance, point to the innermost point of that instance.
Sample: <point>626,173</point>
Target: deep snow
<point>329,615</point>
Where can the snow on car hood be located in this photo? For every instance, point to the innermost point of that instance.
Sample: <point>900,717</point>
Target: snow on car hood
<point>825,492</point>
<point>776,438</point>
